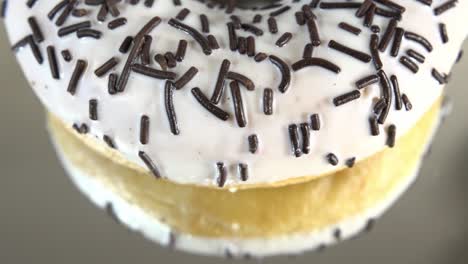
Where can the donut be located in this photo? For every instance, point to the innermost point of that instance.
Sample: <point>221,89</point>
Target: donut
<point>240,128</point>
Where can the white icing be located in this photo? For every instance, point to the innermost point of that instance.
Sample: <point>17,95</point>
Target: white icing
<point>136,219</point>
<point>205,140</point>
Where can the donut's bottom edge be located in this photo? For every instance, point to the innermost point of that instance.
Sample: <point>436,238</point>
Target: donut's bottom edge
<point>158,230</point>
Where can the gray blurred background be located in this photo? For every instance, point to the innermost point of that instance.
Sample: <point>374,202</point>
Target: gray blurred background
<point>44,219</point>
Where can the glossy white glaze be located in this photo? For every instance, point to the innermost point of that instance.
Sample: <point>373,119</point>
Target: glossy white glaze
<point>204,140</point>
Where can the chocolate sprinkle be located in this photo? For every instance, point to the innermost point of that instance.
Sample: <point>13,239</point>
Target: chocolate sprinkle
<point>315,122</point>
<point>117,23</point>
<point>300,18</point>
<point>144,129</point>
<point>170,110</point>
<point>272,25</point>
<point>445,7</point>
<point>351,29</point>
<point>308,14</point>
<point>285,73</point>
<point>294,138</point>
<point>408,63</point>
<point>186,78</point>
<point>250,46</point>
<point>236,22</point>
<point>426,2</point>
<point>171,60</point>
<point>244,171</point>
<point>305,131</point>
<point>146,49</point>
<point>66,55</point>
<point>150,164</point>
<point>332,159</point>
<point>416,55</point>
<point>308,62</point>
<point>80,68</point>
<point>375,29</point>
<point>213,42</point>
<point>194,33</point>
<point>232,36</point>
<point>407,102</point>
<point>337,234</point>
<point>351,162</point>
<point>399,32</point>
<point>361,12</point>
<point>339,5</point>
<point>111,84</point>
<point>79,12</point>
<point>260,57</point>
<point>380,106</point>
<point>392,5</point>
<point>208,105</point>
<point>346,98</point>
<point>349,51</point>
<point>183,14</point>
<point>419,39</point>
<point>438,76</point>
<point>238,104</point>
<point>257,19</point>
<point>375,131</point>
<point>284,39</point>
<point>149,3</point>
<point>313,32</point>
<point>253,143</point>
<point>391,136</point>
<point>375,52</point>
<point>396,90</point>
<point>52,57</point>
<point>219,86</point>
<point>106,67</point>
<point>222,174</point>
<point>367,81</point>
<point>389,32</point>
<point>308,51</point>
<point>83,129</point>
<point>252,29</point>
<point>443,33</point>
<point>88,33</point>
<point>126,44</point>
<point>386,94</point>
<point>93,104</point>
<point>56,9</point>
<point>36,30</point>
<point>108,140</point>
<point>205,23</point>
<point>268,96</point>
<point>65,13</point>
<point>242,45</point>
<point>111,5</point>
<point>153,73</point>
<point>73,28</point>
<point>244,80</point>
<point>161,60</point>
<point>388,13</point>
<point>102,14</point>
<point>369,18</point>
<point>21,43</point>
